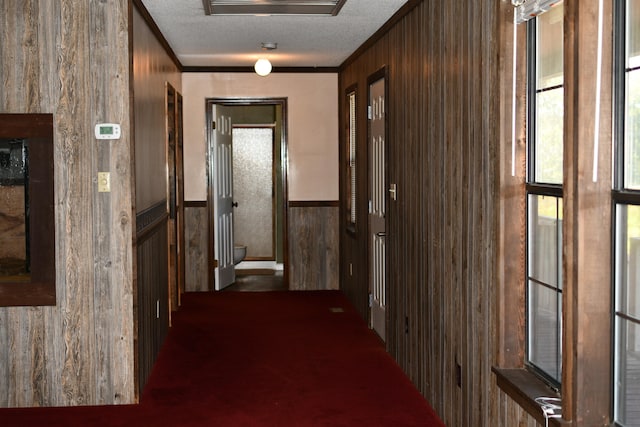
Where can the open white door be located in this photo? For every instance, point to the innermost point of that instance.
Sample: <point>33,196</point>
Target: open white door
<point>377,206</point>
<point>223,200</point>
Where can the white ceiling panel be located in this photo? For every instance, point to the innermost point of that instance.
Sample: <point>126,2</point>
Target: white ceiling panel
<point>235,41</point>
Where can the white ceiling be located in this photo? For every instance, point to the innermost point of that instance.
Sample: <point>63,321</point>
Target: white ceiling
<point>235,41</point>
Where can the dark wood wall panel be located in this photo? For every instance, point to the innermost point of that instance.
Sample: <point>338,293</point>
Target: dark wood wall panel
<point>152,302</point>
<point>152,69</point>
<point>71,59</point>
<point>442,69</point>
<point>313,247</point>
<point>197,240</point>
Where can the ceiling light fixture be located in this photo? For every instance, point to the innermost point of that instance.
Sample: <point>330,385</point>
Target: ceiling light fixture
<point>263,65</point>
<point>273,7</point>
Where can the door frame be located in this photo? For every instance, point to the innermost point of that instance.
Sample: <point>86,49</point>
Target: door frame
<point>175,194</point>
<point>284,165</point>
<point>371,79</point>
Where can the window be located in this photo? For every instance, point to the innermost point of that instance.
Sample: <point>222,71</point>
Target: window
<point>626,196</point>
<point>351,159</point>
<point>545,105</point>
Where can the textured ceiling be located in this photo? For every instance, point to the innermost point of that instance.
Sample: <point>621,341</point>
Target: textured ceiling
<point>234,41</point>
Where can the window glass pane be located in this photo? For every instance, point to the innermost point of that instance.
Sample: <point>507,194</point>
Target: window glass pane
<point>632,132</point>
<point>627,405</point>
<point>633,33</point>
<point>544,322</point>
<point>628,260</point>
<point>550,48</point>
<point>14,211</point>
<point>548,148</point>
<point>545,239</point>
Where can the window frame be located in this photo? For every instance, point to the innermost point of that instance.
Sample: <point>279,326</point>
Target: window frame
<point>535,188</point>
<point>621,196</point>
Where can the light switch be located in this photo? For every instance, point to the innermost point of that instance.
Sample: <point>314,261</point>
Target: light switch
<point>104,182</point>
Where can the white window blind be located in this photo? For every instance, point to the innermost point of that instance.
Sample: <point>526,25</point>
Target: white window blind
<point>527,9</point>
<point>352,155</point>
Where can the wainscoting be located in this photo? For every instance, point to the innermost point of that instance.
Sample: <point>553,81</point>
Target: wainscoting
<point>196,253</point>
<point>153,287</point>
<point>313,245</point>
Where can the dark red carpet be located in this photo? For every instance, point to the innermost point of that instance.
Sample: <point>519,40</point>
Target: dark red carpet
<point>261,359</point>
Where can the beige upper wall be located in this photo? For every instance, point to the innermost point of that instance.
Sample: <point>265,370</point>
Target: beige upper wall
<point>312,127</point>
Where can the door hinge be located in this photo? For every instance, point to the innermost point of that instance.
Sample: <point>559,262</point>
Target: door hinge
<point>213,125</point>
<point>370,207</point>
<point>369,112</point>
<point>370,300</point>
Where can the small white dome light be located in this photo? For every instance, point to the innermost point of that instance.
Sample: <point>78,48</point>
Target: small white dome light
<point>262,67</point>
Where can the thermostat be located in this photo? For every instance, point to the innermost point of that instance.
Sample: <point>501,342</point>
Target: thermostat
<point>107,131</point>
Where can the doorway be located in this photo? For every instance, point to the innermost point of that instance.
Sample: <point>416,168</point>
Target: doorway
<point>175,196</point>
<point>268,255</point>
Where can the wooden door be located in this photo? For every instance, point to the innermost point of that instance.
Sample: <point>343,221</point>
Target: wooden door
<point>222,173</point>
<point>377,205</point>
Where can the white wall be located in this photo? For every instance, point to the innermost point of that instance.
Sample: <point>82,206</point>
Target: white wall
<point>312,142</point>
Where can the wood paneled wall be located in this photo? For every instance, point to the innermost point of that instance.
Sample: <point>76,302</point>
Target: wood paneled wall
<point>71,58</point>
<point>442,68</point>
<point>313,246</point>
<point>512,414</point>
<point>152,69</point>
<point>152,291</point>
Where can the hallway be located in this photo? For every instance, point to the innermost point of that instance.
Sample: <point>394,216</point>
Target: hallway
<point>258,283</point>
<point>262,359</point>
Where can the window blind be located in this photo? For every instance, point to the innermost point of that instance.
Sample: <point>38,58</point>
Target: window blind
<point>527,9</point>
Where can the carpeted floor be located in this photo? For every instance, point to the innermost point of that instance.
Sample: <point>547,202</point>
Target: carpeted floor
<point>261,359</point>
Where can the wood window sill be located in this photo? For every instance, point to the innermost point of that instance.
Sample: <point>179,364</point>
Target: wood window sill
<point>524,387</point>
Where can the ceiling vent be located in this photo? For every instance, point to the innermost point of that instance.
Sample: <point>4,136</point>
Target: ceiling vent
<point>273,7</point>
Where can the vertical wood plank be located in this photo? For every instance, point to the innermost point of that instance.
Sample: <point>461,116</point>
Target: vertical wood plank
<point>587,206</point>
